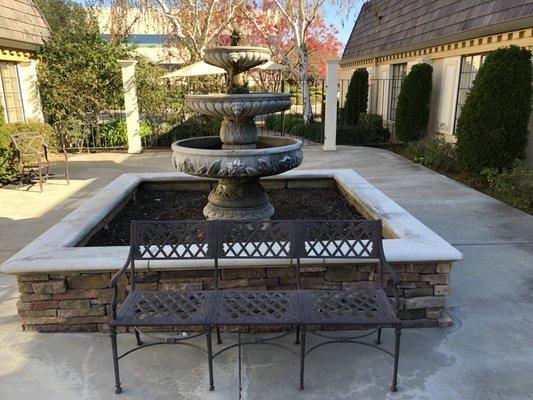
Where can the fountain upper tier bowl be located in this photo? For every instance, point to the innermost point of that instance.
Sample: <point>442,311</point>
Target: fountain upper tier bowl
<point>240,57</point>
<point>236,106</point>
<point>204,156</point>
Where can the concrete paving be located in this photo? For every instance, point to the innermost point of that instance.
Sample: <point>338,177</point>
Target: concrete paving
<point>487,354</point>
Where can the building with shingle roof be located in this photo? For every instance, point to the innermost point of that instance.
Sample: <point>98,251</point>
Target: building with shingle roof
<point>23,32</point>
<point>390,36</point>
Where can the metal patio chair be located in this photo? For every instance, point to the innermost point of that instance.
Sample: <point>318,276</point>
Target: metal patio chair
<point>34,155</point>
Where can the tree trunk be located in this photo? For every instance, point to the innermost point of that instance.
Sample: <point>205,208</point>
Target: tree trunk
<point>304,84</point>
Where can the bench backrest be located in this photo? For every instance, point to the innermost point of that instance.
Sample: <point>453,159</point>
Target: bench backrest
<point>282,239</point>
<point>350,239</point>
<point>172,240</point>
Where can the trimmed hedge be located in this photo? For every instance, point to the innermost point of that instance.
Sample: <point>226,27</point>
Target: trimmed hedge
<point>369,131</point>
<point>197,125</point>
<point>274,122</point>
<point>356,98</point>
<point>412,110</point>
<point>492,128</point>
<point>312,131</point>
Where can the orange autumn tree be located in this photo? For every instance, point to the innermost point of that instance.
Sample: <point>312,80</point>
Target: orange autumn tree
<point>296,31</point>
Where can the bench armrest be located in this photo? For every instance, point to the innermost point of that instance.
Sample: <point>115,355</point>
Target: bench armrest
<point>116,277</point>
<point>113,283</point>
<point>392,273</point>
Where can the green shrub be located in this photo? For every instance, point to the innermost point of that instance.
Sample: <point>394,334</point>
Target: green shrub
<point>114,133</point>
<point>197,125</point>
<point>8,161</point>
<point>356,97</point>
<point>283,123</point>
<point>514,186</point>
<point>433,152</point>
<point>1,115</point>
<point>313,131</point>
<point>412,111</point>
<point>492,128</point>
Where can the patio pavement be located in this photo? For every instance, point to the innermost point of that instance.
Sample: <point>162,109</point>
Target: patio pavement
<point>487,354</point>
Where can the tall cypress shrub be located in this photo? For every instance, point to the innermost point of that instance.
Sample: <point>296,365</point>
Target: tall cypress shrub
<point>356,97</point>
<point>492,128</point>
<point>412,110</point>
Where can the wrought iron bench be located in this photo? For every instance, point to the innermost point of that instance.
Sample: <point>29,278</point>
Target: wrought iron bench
<point>295,309</point>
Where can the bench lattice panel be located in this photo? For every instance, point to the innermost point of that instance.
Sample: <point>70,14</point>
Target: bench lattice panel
<point>165,308</point>
<point>172,240</point>
<point>259,307</point>
<point>256,239</point>
<point>346,306</point>
<point>342,239</point>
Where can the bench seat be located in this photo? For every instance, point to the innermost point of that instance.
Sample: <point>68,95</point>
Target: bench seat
<point>165,308</point>
<point>347,307</point>
<point>256,307</point>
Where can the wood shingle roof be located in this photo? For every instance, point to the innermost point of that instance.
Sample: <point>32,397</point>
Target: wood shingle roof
<point>22,26</point>
<point>387,26</point>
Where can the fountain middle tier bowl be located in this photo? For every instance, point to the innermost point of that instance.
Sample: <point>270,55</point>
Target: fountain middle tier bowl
<point>235,106</point>
<point>241,57</point>
<point>204,156</point>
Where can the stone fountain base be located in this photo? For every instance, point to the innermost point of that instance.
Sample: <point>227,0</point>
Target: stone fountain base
<point>238,199</point>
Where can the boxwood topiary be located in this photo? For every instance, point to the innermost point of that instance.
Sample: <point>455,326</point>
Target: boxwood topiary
<point>412,110</point>
<point>492,128</point>
<point>356,97</point>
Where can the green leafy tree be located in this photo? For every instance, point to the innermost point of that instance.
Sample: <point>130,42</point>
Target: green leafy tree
<point>412,111</point>
<point>492,128</point>
<point>160,103</point>
<point>63,15</point>
<point>79,76</point>
<point>356,97</point>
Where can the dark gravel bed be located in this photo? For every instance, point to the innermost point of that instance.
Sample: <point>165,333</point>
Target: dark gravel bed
<point>321,203</point>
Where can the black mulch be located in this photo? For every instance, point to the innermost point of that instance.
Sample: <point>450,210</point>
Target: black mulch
<point>322,203</point>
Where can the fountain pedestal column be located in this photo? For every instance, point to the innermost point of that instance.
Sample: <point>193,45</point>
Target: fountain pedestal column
<point>242,198</point>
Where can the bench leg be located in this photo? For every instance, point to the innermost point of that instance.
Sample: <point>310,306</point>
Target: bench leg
<point>138,337</point>
<point>219,340</point>
<point>394,386</point>
<point>378,339</point>
<point>297,341</point>
<point>210,357</point>
<point>113,335</point>
<point>302,357</point>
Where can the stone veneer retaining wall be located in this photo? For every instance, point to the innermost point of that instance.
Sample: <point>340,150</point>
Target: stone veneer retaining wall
<point>76,302</point>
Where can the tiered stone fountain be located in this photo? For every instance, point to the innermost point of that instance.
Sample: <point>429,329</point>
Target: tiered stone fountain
<point>239,157</point>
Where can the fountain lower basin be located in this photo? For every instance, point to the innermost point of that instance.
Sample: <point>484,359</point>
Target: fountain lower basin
<point>238,194</point>
<point>204,156</point>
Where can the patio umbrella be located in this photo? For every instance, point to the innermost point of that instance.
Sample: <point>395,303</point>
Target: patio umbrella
<point>272,66</point>
<point>197,69</point>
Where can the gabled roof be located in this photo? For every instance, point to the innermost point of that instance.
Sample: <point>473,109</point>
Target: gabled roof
<point>388,26</point>
<point>22,25</point>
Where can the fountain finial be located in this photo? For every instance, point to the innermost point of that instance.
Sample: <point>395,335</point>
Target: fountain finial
<point>235,37</point>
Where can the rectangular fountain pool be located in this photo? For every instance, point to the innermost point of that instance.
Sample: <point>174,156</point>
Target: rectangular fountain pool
<point>63,274</point>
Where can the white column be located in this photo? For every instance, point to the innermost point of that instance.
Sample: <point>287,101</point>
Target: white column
<point>330,124</point>
<point>31,100</point>
<point>130,105</point>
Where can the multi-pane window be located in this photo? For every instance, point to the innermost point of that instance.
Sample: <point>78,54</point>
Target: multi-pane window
<point>398,75</point>
<point>469,67</point>
<point>10,96</point>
